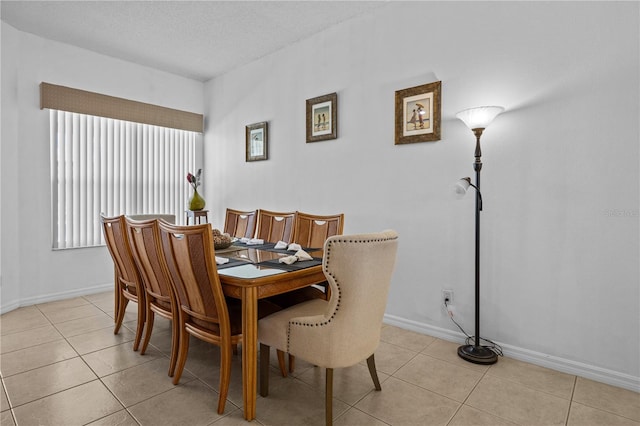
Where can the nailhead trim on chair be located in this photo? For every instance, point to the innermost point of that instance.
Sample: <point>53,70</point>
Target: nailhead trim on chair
<point>328,258</point>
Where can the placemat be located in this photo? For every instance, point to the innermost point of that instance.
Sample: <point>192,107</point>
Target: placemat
<point>301,264</point>
<point>232,262</point>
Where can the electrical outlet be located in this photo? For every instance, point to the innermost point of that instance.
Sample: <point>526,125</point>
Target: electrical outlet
<point>447,296</point>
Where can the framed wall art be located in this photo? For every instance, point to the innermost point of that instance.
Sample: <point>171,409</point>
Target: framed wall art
<point>322,118</point>
<point>257,140</point>
<point>418,114</point>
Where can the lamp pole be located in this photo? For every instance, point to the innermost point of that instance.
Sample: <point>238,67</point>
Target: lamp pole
<point>477,120</point>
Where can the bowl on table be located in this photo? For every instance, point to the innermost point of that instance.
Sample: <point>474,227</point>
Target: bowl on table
<point>220,240</point>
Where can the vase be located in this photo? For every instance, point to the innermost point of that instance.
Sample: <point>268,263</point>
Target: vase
<point>196,202</point>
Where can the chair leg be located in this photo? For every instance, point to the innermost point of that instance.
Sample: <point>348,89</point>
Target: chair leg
<point>264,369</point>
<point>121,307</point>
<point>292,363</point>
<point>149,328</point>
<point>328,401</point>
<point>183,350</point>
<point>371,363</point>
<point>225,375</point>
<point>234,347</point>
<point>175,345</point>
<point>140,325</point>
<point>281,363</point>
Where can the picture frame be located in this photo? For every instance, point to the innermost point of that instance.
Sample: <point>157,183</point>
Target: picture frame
<point>417,114</point>
<point>257,141</point>
<point>322,118</point>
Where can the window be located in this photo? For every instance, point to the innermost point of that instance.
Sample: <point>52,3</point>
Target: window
<point>104,165</point>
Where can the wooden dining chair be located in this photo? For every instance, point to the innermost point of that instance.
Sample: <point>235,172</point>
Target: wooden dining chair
<point>344,330</point>
<point>313,230</point>
<point>275,226</point>
<point>204,311</point>
<point>128,284</point>
<point>309,231</point>
<point>241,224</point>
<point>144,236</point>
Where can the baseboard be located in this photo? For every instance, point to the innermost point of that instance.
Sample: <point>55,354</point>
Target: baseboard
<point>52,297</point>
<point>564,365</point>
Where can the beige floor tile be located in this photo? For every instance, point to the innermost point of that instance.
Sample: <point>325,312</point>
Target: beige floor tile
<point>61,305</point>
<point>45,381</point>
<point>142,382</point>
<point>6,419</point>
<point>535,377</point>
<point>75,406</point>
<point>100,339</point>
<point>293,402</point>
<point>355,417</point>
<point>100,298</point>
<point>389,358</point>
<point>85,325</point>
<point>117,358</point>
<point>235,418</point>
<point>469,416</point>
<point>195,402</point>
<point>401,403</point>
<point>22,319</point>
<point>119,418</point>
<point>615,400</point>
<point>4,402</point>
<point>448,351</point>
<point>203,362</point>
<point>57,316</point>
<point>350,384</point>
<point>581,415</point>
<point>35,357</point>
<point>27,338</point>
<point>439,376</point>
<point>518,403</point>
<point>405,338</point>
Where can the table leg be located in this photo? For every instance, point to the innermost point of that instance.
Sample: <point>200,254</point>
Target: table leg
<point>249,350</point>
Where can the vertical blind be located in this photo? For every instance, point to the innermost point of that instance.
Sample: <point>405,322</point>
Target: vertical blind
<point>103,165</point>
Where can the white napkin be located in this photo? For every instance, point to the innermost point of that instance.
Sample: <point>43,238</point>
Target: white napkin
<point>280,245</point>
<point>300,255</point>
<point>245,240</point>
<point>294,247</point>
<point>255,242</point>
<point>221,260</point>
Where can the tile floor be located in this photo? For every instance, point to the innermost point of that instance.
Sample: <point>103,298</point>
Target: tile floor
<point>61,364</point>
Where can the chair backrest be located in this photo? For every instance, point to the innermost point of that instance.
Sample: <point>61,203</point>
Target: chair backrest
<point>313,230</point>
<point>144,237</point>
<point>275,226</point>
<point>189,255</point>
<point>171,218</point>
<point>115,235</point>
<point>240,223</point>
<point>358,269</point>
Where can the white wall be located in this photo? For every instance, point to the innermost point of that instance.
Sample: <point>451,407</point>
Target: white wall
<point>30,271</point>
<point>560,179</point>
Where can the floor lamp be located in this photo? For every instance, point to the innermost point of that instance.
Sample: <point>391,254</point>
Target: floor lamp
<point>477,119</point>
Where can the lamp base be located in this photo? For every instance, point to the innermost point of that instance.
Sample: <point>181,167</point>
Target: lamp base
<point>477,354</point>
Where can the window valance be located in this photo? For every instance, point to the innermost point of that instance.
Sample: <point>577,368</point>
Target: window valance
<point>81,101</point>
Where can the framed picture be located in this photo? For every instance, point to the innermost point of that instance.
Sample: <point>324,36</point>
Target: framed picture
<point>418,114</point>
<point>257,141</point>
<point>322,118</point>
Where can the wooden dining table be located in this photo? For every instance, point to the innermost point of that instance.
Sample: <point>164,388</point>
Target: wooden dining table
<point>256,278</point>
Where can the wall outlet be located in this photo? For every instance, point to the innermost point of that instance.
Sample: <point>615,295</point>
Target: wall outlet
<point>447,296</point>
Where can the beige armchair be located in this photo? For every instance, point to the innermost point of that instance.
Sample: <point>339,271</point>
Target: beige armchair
<point>344,330</point>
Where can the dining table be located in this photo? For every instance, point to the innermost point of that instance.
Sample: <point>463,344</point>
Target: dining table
<point>254,272</point>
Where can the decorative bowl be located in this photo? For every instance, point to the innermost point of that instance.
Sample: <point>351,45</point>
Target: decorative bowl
<point>220,240</point>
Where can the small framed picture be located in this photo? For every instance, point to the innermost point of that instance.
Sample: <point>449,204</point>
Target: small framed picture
<point>418,114</point>
<point>322,118</point>
<point>257,141</point>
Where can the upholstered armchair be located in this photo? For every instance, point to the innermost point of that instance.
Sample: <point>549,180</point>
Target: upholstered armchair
<point>344,330</point>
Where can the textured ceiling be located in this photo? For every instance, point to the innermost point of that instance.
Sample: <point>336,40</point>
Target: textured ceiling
<point>195,39</point>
